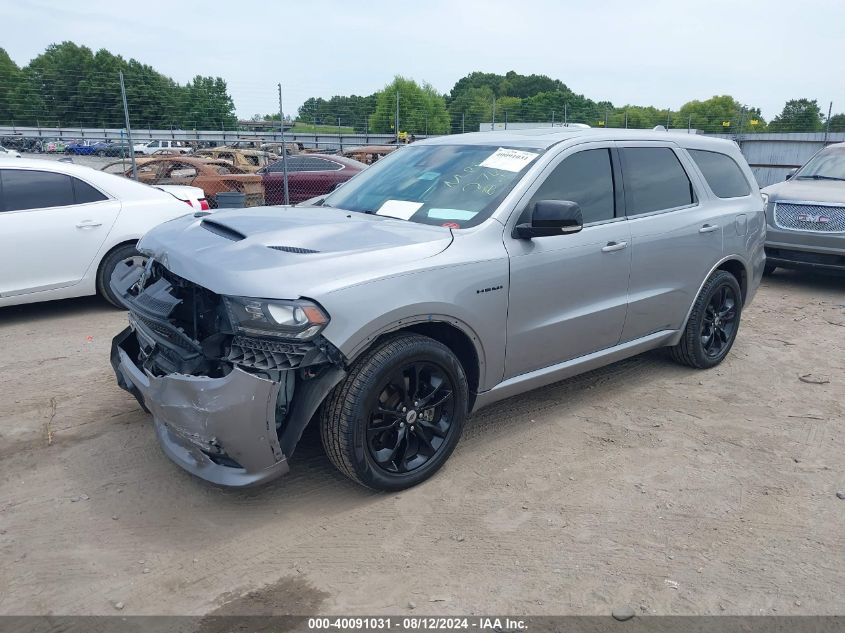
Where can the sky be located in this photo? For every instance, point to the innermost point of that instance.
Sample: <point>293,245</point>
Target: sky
<point>652,52</point>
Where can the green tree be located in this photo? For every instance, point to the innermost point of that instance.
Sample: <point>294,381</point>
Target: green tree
<point>471,108</point>
<point>352,111</point>
<point>511,84</point>
<point>712,115</point>
<point>10,82</point>
<point>71,86</point>
<point>799,115</point>
<point>837,123</point>
<point>421,108</point>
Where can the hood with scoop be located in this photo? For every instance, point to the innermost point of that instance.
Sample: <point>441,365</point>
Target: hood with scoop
<point>290,252</point>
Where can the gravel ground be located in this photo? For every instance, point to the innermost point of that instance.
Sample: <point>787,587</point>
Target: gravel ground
<point>643,484</point>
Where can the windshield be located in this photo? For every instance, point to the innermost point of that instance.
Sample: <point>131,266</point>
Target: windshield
<point>455,186</point>
<point>828,164</point>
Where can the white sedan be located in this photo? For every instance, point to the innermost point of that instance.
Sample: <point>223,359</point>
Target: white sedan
<point>8,153</point>
<point>64,228</point>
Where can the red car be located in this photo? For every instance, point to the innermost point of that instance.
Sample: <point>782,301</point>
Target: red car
<point>309,175</point>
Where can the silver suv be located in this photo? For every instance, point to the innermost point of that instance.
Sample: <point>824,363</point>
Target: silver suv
<point>453,273</point>
<point>806,215</point>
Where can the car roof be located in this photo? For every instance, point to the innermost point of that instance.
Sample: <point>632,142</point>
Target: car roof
<point>545,137</point>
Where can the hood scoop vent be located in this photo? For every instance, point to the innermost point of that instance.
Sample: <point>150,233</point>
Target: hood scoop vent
<point>294,249</point>
<point>222,230</point>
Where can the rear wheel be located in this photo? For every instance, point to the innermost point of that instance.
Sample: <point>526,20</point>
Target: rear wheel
<point>398,415</point>
<point>124,255</point>
<point>713,323</point>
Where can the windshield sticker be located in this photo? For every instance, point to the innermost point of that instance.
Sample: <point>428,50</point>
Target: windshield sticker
<point>451,214</point>
<point>428,175</point>
<point>402,209</point>
<point>508,159</point>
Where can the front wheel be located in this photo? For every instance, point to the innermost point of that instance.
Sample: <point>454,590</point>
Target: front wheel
<point>398,415</point>
<point>712,326</point>
<point>125,255</point>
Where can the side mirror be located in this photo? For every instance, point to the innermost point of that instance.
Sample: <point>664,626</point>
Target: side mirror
<point>791,173</point>
<point>551,217</point>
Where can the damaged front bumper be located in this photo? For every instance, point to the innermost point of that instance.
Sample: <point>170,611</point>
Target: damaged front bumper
<point>233,425</point>
<point>220,429</point>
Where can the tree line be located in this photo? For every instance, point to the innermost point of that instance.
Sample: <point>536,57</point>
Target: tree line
<point>482,98</point>
<point>72,86</point>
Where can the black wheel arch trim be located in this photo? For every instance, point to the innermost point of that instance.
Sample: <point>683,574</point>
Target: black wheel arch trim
<point>423,319</point>
<point>716,266</point>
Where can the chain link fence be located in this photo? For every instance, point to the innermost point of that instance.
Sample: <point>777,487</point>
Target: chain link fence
<point>139,124</point>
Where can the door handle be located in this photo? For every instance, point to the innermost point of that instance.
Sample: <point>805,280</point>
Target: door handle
<point>88,224</point>
<point>613,246</point>
<point>708,228</point>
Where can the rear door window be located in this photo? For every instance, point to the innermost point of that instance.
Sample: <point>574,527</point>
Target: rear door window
<point>655,180</point>
<point>31,189</point>
<point>722,173</point>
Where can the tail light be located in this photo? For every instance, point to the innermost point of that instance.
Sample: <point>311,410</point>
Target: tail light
<point>189,203</point>
<point>204,206</point>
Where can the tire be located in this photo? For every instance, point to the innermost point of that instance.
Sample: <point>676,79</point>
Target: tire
<point>697,349</point>
<point>125,254</point>
<point>101,154</point>
<point>769,269</point>
<point>396,449</point>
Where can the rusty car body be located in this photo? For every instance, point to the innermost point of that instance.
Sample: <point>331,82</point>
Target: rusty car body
<point>250,160</point>
<point>212,176</point>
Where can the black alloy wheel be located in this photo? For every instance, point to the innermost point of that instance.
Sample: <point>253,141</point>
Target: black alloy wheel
<point>720,321</point>
<point>397,416</point>
<point>410,418</point>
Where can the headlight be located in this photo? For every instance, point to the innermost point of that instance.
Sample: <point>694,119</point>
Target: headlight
<point>765,197</point>
<point>298,319</point>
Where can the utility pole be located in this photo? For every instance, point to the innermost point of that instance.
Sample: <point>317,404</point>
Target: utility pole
<point>128,127</point>
<point>626,119</point>
<point>506,119</point>
<point>463,122</point>
<point>493,123</point>
<point>553,118</point>
<point>565,114</point>
<point>827,127</point>
<point>284,148</point>
<point>668,114</point>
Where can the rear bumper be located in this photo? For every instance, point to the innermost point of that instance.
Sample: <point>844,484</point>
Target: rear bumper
<point>220,429</point>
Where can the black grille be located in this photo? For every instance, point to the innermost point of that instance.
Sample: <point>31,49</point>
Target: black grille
<point>294,249</point>
<point>261,354</point>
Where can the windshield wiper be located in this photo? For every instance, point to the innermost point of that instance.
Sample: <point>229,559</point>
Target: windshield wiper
<point>819,177</point>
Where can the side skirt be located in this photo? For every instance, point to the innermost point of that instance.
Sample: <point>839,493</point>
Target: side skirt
<point>561,371</point>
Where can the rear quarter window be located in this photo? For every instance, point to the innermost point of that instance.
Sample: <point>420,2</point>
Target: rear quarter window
<point>722,173</point>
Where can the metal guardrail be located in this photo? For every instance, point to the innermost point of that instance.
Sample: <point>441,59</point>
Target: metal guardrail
<point>142,135</point>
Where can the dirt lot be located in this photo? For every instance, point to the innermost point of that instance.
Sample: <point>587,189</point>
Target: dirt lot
<point>672,490</point>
